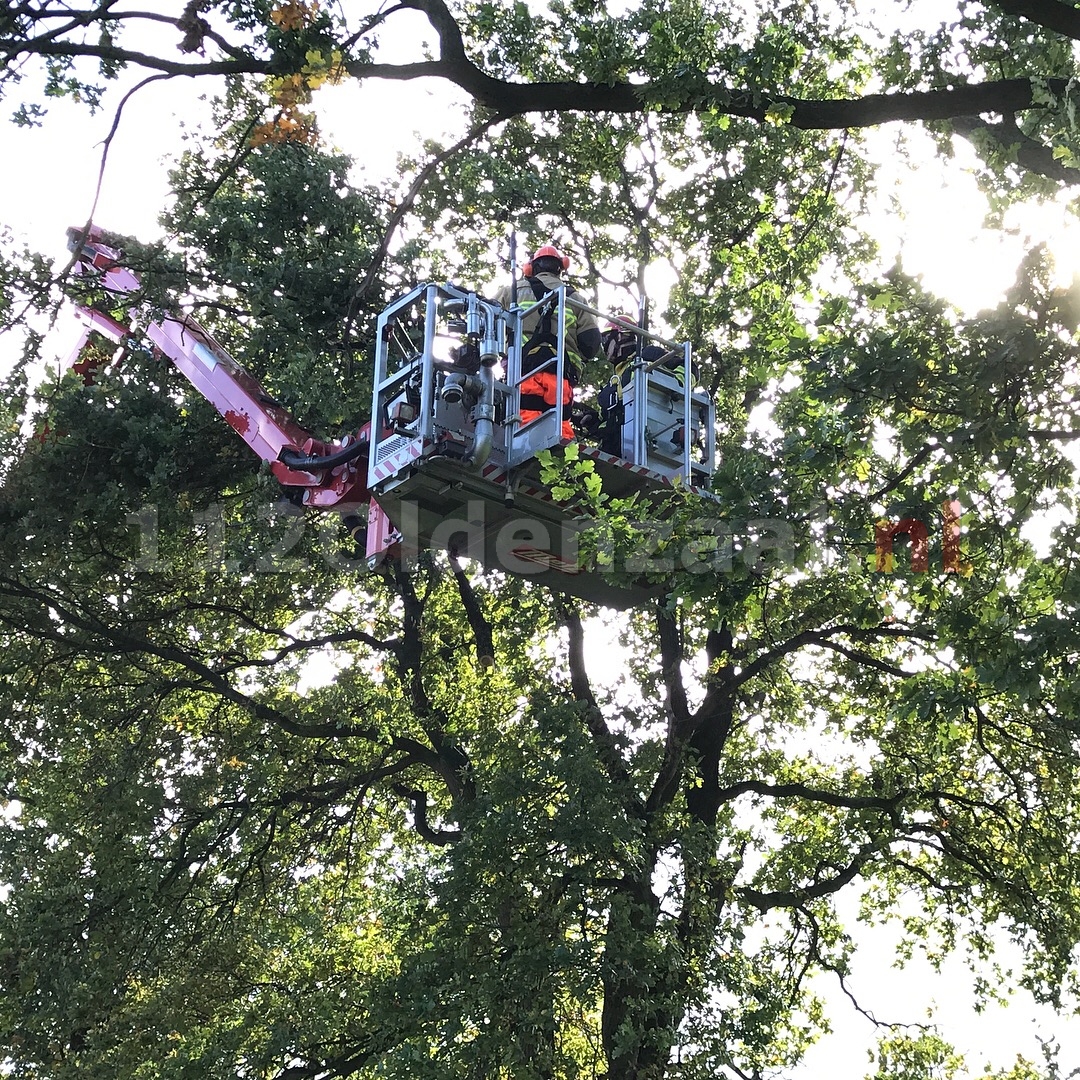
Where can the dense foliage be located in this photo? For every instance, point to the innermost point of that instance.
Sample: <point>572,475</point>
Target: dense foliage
<point>268,816</point>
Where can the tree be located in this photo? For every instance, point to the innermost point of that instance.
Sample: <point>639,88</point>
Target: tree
<point>272,817</point>
<point>1006,58</point>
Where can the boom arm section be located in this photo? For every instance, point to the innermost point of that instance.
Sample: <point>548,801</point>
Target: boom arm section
<point>330,475</point>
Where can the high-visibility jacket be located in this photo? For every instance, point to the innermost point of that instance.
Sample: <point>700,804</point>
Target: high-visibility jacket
<point>582,331</point>
<point>621,350</point>
<point>539,394</point>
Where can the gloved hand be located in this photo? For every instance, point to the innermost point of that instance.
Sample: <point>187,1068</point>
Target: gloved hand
<point>586,420</point>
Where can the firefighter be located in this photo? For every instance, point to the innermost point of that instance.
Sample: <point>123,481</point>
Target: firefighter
<point>539,394</point>
<point>621,347</point>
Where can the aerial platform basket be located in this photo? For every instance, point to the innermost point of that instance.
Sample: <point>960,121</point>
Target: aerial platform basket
<point>453,466</point>
<point>445,460</point>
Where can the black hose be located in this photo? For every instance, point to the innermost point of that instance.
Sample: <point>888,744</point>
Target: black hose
<point>305,463</point>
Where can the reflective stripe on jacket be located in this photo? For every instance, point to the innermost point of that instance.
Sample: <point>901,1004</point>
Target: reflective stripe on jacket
<point>578,324</point>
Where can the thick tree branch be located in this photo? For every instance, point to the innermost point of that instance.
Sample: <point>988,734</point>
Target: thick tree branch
<point>693,93</point>
<point>803,791</point>
<point>714,720</point>
<point>1029,153</point>
<point>579,675</point>
<point>513,99</point>
<point>680,725</point>
<point>606,747</point>
<point>453,762</point>
<point>685,731</point>
<point>419,800</point>
<point>795,898</point>
<point>451,43</point>
<point>1063,18</point>
<point>481,628</point>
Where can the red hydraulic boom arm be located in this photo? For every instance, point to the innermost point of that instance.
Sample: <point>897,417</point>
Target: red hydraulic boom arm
<point>447,453</point>
<point>332,475</point>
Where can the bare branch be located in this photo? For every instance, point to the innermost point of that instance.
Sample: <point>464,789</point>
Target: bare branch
<point>803,791</point>
<point>796,898</point>
<point>243,65</point>
<point>107,143</point>
<point>376,20</point>
<point>403,208</point>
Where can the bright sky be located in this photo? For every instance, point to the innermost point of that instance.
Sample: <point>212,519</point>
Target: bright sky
<point>49,182</point>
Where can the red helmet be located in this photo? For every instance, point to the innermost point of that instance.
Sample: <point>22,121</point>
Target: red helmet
<point>548,251</point>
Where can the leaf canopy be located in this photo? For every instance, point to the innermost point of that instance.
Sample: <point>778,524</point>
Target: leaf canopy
<point>267,816</point>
